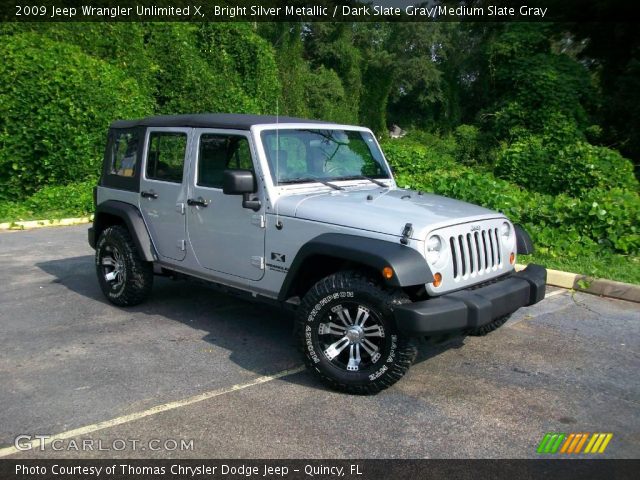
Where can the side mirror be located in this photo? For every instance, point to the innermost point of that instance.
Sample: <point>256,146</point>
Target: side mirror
<point>241,182</point>
<point>238,182</point>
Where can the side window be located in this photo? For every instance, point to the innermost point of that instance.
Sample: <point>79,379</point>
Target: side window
<point>219,152</point>
<point>241,155</point>
<point>165,160</point>
<point>124,154</point>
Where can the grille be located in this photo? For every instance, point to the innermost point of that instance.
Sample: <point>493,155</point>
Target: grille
<point>475,252</point>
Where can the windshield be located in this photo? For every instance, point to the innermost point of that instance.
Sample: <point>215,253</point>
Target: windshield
<point>297,156</point>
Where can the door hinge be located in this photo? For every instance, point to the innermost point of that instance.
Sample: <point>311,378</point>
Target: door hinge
<point>258,220</point>
<point>180,208</point>
<point>258,262</point>
<point>182,245</point>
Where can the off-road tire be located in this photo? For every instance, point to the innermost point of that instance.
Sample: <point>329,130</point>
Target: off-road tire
<point>134,284</point>
<point>489,327</point>
<point>349,291</point>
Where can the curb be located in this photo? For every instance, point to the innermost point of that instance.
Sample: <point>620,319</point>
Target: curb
<point>62,222</point>
<point>584,283</point>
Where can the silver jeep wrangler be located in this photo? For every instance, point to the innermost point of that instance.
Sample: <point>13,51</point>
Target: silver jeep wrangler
<point>306,214</point>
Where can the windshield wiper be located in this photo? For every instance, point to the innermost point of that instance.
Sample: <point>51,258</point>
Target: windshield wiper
<point>312,179</point>
<point>362,177</point>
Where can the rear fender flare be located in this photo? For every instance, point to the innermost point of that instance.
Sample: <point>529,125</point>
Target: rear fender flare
<point>132,218</point>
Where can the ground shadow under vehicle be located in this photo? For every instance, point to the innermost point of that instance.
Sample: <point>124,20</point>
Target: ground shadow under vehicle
<point>257,335</point>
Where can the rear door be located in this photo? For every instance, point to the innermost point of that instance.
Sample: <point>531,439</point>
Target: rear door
<point>163,189</point>
<point>224,236</point>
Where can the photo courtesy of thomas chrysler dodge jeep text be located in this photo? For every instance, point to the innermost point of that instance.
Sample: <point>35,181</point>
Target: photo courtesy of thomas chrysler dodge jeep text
<point>305,213</point>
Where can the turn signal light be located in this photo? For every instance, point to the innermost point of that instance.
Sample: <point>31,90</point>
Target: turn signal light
<point>437,280</point>
<point>387,272</point>
<point>512,258</point>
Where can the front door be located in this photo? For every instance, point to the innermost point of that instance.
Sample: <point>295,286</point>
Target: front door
<point>224,236</point>
<point>162,190</point>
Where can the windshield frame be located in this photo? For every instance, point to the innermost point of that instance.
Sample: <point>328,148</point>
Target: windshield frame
<point>307,180</point>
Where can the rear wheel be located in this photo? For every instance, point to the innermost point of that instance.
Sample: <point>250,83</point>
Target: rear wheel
<point>125,279</point>
<point>348,336</point>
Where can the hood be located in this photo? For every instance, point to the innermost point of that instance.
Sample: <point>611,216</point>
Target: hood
<point>382,210</point>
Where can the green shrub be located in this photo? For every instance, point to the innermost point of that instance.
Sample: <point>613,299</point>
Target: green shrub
<point>469,150</point>
<point>574,168</point>
<point>612,217</point>
<point>51,202</point>
<point>420,151</point>
<point>10,211</point>
<point>74,198</point>
<point>56,104</point>
<point>599,219</point>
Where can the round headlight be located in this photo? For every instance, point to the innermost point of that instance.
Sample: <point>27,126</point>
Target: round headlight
<point>434,244</point>
<point>505,229</point>
<point>434,249</point>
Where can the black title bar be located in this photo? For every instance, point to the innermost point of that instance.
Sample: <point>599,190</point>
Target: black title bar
<point>317,469</point>
<point>318,10</point>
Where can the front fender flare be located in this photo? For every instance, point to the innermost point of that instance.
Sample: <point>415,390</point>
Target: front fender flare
<point>524,244</point>
<point>409,266</point>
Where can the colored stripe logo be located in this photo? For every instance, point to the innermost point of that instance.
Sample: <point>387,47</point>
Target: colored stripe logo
<point>573,443</point>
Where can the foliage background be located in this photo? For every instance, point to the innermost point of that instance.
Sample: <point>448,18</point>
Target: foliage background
<point>537,120</point>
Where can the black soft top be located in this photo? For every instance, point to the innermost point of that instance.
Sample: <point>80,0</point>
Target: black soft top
<point>210,120</point>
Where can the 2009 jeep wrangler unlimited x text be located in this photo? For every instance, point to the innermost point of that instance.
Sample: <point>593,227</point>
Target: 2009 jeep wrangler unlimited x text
<point>305,213</point>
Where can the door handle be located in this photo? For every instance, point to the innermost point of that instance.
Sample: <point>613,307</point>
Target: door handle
<point>197,202</point>
<point>150,194</point>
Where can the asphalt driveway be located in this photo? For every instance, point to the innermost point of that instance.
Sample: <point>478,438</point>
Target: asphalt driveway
<point>222,374</point>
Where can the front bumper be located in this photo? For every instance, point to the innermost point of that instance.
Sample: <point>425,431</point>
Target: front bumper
<point>467,309</point>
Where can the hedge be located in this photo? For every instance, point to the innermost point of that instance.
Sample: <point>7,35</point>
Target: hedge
<point>600,219</point>
<point>56,103</point>
<point>51,202</point>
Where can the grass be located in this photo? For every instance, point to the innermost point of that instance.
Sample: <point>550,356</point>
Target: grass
<point>622,268</point>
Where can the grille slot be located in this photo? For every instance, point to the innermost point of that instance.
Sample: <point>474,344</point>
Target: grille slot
<point>476,238</point>
<point>491,247</point>
<point>454,257</point>
<point>471,253</point>
<point>484,248</point>
<point>462,256</point>
<point>477,252</point>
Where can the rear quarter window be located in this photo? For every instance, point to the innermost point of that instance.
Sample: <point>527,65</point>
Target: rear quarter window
<point>124,154</point>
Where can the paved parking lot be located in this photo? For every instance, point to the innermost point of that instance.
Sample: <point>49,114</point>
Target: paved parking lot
<point>199,366</point>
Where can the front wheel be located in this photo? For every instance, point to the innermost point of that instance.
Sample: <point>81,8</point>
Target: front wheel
<point>348,335</point>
